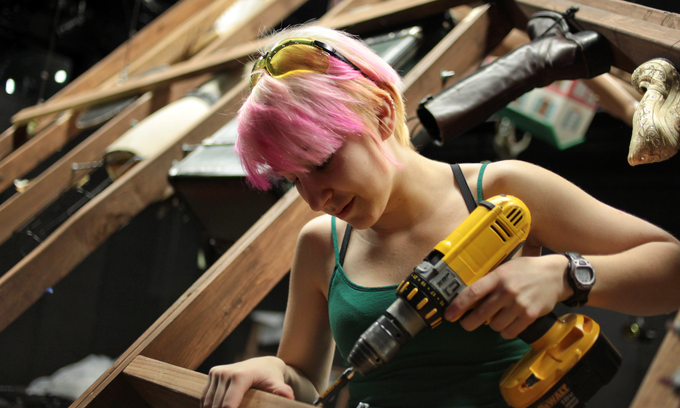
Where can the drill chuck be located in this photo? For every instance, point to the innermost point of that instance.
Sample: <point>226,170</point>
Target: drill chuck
<point>385,337</point>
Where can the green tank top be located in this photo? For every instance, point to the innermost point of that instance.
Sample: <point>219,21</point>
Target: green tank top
<point>445,367</point>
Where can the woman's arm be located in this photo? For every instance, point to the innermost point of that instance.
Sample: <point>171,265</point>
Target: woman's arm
<point>306,350</point>
<point>637,264</point>
<point>307,343</point>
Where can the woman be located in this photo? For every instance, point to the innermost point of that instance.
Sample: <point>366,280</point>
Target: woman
<point>327,114</point>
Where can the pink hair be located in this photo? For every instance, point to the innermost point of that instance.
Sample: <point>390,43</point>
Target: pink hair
<point>290,123</point>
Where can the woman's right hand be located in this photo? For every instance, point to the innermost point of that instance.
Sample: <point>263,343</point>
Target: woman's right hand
<point>227,384</point>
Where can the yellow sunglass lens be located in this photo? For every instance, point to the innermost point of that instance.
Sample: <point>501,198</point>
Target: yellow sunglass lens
<point>298,57</point>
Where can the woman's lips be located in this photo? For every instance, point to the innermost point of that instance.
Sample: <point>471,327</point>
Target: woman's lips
<point>345,210</point>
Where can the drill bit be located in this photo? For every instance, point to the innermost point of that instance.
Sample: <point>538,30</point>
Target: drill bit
<point>334,388</point>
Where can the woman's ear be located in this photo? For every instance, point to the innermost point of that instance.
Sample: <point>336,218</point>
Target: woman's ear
<point>387,116</point>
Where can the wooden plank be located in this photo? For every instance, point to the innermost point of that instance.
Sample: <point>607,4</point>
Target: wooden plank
<point>387,13</point>
<point>345,6</point>
<point>633,41</point>
<point>462,51</point>
<point>384,15</point>
<point>37,149</point>
<point>174,46</point>
<point>104,214</point>
<point>652,392</point>
<point>138,46</point>
<point>270,14</point>
<point>178,71</point>
<point>21,207</point>
<point>625,8</point>
<point>202,63</point>
<point>7,142</point>
<point>207,312</point>
<point>166,386</point>
<point>61,132</point>
<point>112,64</point>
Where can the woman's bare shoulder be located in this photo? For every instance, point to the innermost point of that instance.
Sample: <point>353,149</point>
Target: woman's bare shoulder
<point>314,251</point>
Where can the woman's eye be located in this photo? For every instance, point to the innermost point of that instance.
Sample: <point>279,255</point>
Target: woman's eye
<point>325,163</point>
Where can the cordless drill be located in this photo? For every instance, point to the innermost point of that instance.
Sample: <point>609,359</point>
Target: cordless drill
<point>569,359</point>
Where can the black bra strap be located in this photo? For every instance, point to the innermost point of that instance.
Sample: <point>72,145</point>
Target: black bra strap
<point>345,241</point>
<point>464,188</point>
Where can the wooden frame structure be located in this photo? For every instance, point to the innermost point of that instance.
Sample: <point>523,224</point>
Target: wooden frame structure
<point>156,370</point>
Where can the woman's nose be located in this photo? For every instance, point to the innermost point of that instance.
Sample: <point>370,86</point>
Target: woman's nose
<point>315,194</point>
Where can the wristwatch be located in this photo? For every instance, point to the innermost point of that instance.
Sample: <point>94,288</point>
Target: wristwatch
<point>581,277</point>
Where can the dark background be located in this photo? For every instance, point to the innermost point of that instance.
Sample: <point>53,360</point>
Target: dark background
<point>107,302</point>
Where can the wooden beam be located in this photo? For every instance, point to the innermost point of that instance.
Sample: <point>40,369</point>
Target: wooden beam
<point>215,304</point>
<point>98,219</point>
<point>379,14</point>
<point>57,134</point>
<point>112,64</point>
<point>174,46</point>
<point>7,142</point>
<point>345,6</point>
<point>53,138</point>
<point>383,15</point>
<point>653,392</point>
<point>633,41</point>
<point>167,386</point>
<point>170,50</point>
<point>178,71</point>
<point>462,50</point>
<point>138,46</point>
<point>21,207</point>
<point>37,149</point>
<point>270,14</point>
<point>643,13</point>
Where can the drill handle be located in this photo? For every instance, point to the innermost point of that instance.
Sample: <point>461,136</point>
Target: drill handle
<point>538,328</point>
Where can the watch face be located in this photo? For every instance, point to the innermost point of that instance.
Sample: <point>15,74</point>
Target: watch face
<point>584,276</point>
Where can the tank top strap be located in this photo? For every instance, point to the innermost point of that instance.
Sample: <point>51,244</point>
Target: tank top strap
<point>480,196</point>
<point>334,234</point>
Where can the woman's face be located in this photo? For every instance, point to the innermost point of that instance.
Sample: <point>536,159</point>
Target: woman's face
<point>353,184</point>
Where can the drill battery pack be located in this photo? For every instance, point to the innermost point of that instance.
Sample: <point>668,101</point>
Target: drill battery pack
<point>564,368</point>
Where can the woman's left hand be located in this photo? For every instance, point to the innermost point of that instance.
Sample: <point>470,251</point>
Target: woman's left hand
<point>513,295</point>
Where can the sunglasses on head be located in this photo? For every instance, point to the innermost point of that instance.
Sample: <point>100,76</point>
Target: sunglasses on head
<point>296,55</point>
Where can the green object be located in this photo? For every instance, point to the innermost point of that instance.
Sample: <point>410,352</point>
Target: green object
<point>558,114</point>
